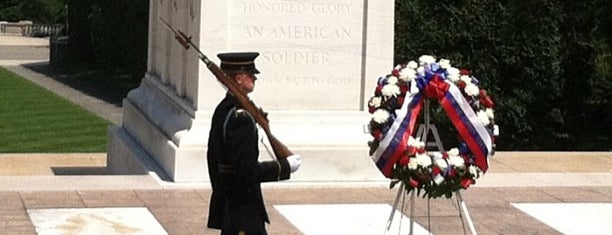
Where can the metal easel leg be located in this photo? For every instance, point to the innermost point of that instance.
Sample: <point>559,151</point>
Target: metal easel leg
<point>397,197</point>
<point>412,199</point>
<point>396,202</point>
<point>460,214</point>
<point>465,213</point>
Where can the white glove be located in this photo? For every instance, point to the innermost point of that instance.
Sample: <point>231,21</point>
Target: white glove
<point>295,161</point>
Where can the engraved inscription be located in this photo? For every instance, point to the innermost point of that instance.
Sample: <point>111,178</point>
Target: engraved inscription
<point>297,32</point>
<point>304,45</point>
<point>287,7</point>
<point>296,57</point>
<point>331,8</point>
<point>307,80</point>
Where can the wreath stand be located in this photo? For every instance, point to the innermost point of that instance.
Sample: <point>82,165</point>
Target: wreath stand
<point>423,132</point>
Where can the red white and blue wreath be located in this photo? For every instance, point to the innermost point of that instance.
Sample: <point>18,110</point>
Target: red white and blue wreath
<point>395,106</point>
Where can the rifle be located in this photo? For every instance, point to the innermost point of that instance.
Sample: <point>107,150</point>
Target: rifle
<point>280,150</point>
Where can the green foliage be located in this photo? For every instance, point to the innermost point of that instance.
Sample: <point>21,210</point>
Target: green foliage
<point>532,75</point>
<point>10,10</point>
<point>119,36</point>
<point>38,11</point>
<point>546,63</point>
<point>35,120</point>
<point>587,62</point>
<point>111,36</point>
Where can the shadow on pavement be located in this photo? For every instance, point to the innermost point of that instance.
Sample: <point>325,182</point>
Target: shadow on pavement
<point>95,87</point>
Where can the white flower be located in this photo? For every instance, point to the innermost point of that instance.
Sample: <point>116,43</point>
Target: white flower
<point>411,141</point>
<point>375,102</point>
<point>490,113</point>
<point>412,165</point>
<point>484,118</point>
<point>466,79</point>
<point>421,71</point>
<point>453,74</point>
<point>444,63</point>
<point>438,179</point>
<point>453,152</point>
<point>380,116</point>
<point>440,162</point>
<point>423,159</point>
<point>474,171</point>
<point>426,59</point>
<point>436,155</point>
<point>471,89</point>
<point>456,161</point>
<point>407,74</point>
<point>412,64</point>
<point>392,80</point>
<point>390,90</point>
<point>417,143</point>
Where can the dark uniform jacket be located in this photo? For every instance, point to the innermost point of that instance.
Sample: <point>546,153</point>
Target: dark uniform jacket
<point>235,173</point>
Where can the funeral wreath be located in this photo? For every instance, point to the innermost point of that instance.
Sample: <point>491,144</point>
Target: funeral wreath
<point>395,107</point>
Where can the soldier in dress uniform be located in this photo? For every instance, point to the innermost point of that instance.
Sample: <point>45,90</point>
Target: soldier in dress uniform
<point>236,205</point>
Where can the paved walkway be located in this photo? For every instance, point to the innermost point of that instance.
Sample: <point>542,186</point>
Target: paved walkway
<point>523,193</point>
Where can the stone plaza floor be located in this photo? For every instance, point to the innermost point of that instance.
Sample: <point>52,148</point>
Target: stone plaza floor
<point>523,193</point>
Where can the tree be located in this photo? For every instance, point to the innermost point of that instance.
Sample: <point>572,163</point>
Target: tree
<point>588,73</point>
<point>516,49</point>
<point>38,11</point>
<point>119,32</point>
<point>10,10</point>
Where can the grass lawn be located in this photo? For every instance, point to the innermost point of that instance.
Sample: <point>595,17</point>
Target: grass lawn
<point>33,119</point>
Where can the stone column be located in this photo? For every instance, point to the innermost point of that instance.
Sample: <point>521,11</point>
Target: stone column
<point>319,62</point>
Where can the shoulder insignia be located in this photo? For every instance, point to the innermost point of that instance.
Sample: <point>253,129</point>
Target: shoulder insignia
<point>241,114</point>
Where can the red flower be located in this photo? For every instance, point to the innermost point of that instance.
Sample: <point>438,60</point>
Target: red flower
<point>403,88</point>
<point>435,170</point>
<point>483,92</point>
<point>486,101</point>
<point>413,183</point>
<point>452,173</point>
<point>464,72</point>
<point>465,183</point>
<point>421,150</point>
<point>461,84</point>
<point>371,109</point>
<point>400,101</point>
<point>377,134</point>
<point>404,160</point>
<point>378,90</point>
<point>395,72</point>
<point>411,151</point>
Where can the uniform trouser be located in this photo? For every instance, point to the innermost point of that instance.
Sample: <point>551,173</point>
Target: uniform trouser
<point>234,232</point>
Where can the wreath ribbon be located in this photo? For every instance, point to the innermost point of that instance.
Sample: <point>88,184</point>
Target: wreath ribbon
<point>459,111</point>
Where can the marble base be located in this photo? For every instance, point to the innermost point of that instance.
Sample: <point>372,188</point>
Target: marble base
<point>92,221</point>
<point>332,153</point>
<point>161,134</point>
<point>347,219</point>
<point>572,218</point>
